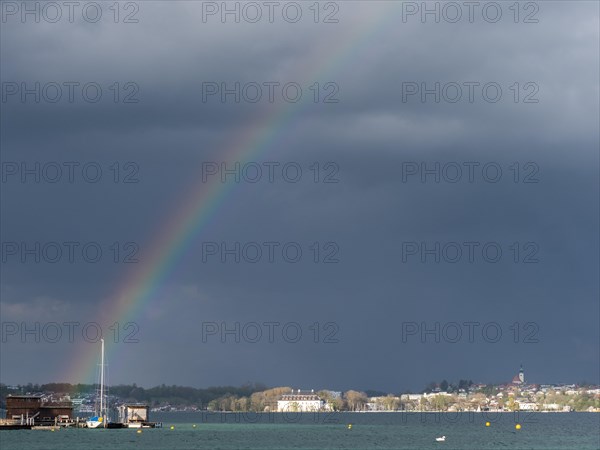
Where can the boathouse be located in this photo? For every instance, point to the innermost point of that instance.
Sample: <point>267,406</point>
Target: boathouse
<point>37,409</point>
<point>133,413</point>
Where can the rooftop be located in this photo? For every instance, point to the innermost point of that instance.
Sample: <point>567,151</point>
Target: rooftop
<point>36,396</point>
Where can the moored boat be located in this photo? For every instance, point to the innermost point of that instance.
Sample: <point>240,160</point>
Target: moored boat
<point>99,420</point>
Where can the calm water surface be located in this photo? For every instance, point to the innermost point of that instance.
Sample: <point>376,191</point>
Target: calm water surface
<point>577,431</point>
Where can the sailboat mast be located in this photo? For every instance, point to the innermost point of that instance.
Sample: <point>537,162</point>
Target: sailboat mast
<point>102,383</point>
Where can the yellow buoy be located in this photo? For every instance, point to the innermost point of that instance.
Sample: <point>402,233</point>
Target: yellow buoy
<point>487,424</point>
<point>172,427</point>
<point>139,431</point>
<point>194,426</point>
<point>518,426</point>
<point>349,426</point>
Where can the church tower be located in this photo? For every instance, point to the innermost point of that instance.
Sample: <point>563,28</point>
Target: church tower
<point>521,375</point>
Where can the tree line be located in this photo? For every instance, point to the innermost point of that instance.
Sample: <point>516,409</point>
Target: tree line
<point>155,396</point>
<point>249,397</point>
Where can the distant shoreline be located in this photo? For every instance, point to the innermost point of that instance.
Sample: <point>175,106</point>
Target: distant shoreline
<point>375,412</point>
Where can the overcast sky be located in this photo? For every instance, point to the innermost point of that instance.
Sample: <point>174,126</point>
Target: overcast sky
<point>378,138</point>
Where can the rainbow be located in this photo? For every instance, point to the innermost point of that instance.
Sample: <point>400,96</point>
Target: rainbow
<point>204,198</point>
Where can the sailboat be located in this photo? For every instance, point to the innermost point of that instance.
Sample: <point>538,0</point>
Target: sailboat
<point>100,420</point>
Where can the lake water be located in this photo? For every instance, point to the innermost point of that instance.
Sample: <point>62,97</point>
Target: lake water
<point>577,431</point>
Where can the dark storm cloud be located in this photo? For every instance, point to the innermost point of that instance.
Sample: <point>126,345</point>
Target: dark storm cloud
<point>374,209</point>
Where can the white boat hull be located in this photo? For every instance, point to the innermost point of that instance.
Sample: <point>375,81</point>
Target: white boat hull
<point>95,422</point>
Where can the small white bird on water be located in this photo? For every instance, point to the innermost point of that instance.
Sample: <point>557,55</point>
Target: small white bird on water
<point>440,439</point>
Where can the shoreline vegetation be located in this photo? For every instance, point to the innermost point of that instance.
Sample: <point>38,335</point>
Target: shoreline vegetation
<point>257,398</point>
